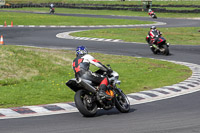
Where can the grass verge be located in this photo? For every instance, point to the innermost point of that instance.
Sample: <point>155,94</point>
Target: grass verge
<point>184,36</point>
<point>110,12</point>
<point>179,2</point>
<point>32,76</point>
<point>43,19</point>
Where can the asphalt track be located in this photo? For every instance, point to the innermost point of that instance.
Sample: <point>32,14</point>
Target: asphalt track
<point>174,115</point>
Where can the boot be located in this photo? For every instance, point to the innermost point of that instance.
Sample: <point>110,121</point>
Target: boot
<point>102,92</point>
<point>103,95</point>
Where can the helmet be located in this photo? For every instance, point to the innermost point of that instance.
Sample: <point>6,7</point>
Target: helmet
<point>81,50</point>
<point>153,27</point>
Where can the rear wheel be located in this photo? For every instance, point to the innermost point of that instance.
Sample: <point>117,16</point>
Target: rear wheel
<point>121,102</point>
<point>154,50</point>
<point>85,104</point>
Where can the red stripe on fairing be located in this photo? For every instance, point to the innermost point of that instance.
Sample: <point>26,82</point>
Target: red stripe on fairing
<point>160,40</point>
<point>105,82</point>
<point>73,64</point>
<point>152,40</point>
<point>95,60</point>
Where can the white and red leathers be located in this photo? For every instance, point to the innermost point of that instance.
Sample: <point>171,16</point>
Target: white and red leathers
<point>151,12</point>
<point>153,35</point>
<point>81,66</point>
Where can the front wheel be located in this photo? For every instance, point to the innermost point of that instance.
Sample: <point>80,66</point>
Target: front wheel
<point>121,102</point>
<point>164,50</point>
<point>85,104</point>
<point>155,17</point>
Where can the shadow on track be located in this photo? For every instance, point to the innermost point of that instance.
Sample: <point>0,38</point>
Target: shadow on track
<point>114,111</point>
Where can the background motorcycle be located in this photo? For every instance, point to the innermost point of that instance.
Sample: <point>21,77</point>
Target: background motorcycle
<point>160,47</point>
<point>87,98</point>
<point>152,14</point>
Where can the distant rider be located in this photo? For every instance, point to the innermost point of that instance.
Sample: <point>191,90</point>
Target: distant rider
<point>52,10</point>
<point>150,12</point>
<point>153,35</point>
<point>81,65</point>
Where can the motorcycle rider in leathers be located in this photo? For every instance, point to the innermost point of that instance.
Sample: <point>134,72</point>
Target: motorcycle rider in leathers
<point>51,7</point>
<point>153,35</point>
<point>81,66</point>
<point>150,12</point>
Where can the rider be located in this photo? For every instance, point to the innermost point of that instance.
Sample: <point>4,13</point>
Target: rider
<point>150,12</point>
<point>81,66</point>
<point>153,35</point>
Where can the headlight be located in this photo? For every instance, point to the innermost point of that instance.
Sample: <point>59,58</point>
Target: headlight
<point>118,82</point>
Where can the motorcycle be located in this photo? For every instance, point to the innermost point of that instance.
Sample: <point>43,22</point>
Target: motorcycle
<point>160,46</point>
<point>87,98</point>
<point>152,14</point>
<point>52,11</point>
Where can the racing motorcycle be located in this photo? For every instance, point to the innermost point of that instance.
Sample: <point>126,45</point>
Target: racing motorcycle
<point>160,47</point>
<point>87,98</point>
<point>152,14</point>
<point>52,11</point>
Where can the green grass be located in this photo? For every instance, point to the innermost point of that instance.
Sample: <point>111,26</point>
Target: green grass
<point>180,2</point>
<point>43,19</point>
<point>184,36</point>
<point>110,12</point>
<point>33,76</point>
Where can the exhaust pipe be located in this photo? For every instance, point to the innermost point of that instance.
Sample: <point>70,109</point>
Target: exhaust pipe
<point>86,85</point>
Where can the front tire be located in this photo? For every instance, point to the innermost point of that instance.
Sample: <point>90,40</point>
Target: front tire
<point>165,50</point>
<point>85,104</point>
<point>155,17</point>
<point>121,102</point>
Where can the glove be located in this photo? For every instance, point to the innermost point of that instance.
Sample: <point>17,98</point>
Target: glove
<point>109,71</point>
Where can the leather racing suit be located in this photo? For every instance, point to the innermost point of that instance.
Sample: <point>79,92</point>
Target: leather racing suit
<point>153,35</point>
<point>81,65</point>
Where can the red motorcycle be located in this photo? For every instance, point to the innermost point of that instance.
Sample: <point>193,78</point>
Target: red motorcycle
<point>158,45</point>
<point>87,98</point>
<point>152,14</point>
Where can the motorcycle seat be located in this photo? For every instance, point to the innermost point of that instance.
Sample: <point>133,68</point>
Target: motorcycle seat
<point>89,82</point>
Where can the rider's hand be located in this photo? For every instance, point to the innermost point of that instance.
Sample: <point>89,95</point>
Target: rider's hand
<point>109,71</point>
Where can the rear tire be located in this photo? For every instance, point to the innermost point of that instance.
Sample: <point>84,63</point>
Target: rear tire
<point>121,102</point>
<point>84,103</point>
<point>153,50</point>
